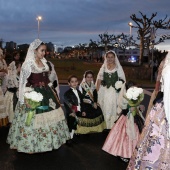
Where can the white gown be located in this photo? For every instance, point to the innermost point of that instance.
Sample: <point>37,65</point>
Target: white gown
<point>107,98</point>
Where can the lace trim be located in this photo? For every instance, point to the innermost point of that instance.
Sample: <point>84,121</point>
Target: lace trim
<point>90,122</point>
<point>48,118</point>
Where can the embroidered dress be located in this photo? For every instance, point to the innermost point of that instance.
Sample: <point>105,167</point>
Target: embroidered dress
<point>11,95</point>
<point>107,96</point>
<point>153,149</point>
<point>94,120</point>
<point>3,114</point>
<point>48,129</point>
<point>120,141</point>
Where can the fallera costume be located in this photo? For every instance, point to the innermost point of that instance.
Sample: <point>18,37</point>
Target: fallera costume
<point>11,95</point>
<point>107,94</point>
<point>153,149</point>
<point>94,119</point>
<point>48,128</point>
<point>123,137</point>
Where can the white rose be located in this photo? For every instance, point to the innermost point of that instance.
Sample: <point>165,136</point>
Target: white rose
<point>118,85</point>
<point>129,94</point>
<point>135,95</point>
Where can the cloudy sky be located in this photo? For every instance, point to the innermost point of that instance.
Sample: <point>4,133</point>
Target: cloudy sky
<point>70,22</point>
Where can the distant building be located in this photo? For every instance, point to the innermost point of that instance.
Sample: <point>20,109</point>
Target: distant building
<point>23,47</point>
<point>50,47</point>
<point>11,46</point>
<point>59,50</point>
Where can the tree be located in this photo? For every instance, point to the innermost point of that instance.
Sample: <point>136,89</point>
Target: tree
<point>144,26</point>
<point>106,40</point>
<point>92,47</point>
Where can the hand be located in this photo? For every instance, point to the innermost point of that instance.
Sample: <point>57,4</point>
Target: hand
<point>83,113</point>
<point>95,105</point>
<point>72,114</point>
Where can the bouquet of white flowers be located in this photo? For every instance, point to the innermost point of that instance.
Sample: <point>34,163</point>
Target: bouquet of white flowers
<point>134,96</point>
<point>32,100</point>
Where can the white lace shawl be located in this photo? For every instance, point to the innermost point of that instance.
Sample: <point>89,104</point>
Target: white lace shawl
<point>118,68</point>
<point>29,66</point>
<point>26,70</point>
<point>12,77</point>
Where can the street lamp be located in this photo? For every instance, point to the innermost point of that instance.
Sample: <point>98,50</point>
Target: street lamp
<point>130,24</point>
<point>39,18</point>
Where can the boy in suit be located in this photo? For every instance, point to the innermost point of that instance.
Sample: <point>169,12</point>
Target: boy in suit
<point>73,103</point>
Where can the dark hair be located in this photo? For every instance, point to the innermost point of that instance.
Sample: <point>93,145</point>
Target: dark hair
<point>70,77</point>
<point>49,65</point>
<point>88,72</point>
<point>15,53</point>
<point>110,52</point>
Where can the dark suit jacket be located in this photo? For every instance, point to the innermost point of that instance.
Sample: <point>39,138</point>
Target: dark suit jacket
<point>70,99</point>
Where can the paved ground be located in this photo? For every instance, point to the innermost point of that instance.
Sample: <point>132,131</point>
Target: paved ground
<point>86,154</point>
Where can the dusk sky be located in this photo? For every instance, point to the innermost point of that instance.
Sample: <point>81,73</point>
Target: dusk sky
<point>70,22</point>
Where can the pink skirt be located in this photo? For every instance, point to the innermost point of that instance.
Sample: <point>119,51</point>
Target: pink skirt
<point>118,143</point>
<point>153,148</point>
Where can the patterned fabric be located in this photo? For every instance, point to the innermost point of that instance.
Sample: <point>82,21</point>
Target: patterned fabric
<point>11,97</point>
<point>94,120</point>
<point>48,129</point>
<point>153,149</point>
<point>107,98</point>
<point>109,79</point>
<point>118,143</point>
<point>2,106</point>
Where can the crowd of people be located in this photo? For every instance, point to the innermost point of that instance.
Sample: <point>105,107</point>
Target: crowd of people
<point>30,104</point>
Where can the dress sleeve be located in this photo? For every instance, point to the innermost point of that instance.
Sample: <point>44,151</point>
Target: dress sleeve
<point>100,74</point>
<point>24,74</point>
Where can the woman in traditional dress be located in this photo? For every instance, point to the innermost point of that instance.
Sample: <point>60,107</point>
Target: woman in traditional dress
<point>123,137</point>
<point>11,95</point>
<point>153,149</point>
<point>48,128</point>
<point>93,121</point>
<point>157,90</point>
<point>110,72</point>
<point>3,73</point>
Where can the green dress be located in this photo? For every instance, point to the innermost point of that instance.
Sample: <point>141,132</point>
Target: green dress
<point>48,128</point>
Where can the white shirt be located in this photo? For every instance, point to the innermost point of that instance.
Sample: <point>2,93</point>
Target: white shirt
<point>76,93</point>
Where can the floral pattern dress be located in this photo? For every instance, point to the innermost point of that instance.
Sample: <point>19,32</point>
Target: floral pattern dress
<point>48,129</point>
<point>153,149</point>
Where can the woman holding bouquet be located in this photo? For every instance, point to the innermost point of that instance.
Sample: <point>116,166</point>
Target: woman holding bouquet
<point>110,73</point>
<point>153,148</point>
<point>94,120</point>
<point>124,135</point>
<point>37,126</point>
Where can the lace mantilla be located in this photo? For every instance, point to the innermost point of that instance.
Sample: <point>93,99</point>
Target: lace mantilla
<point>29,66</point>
